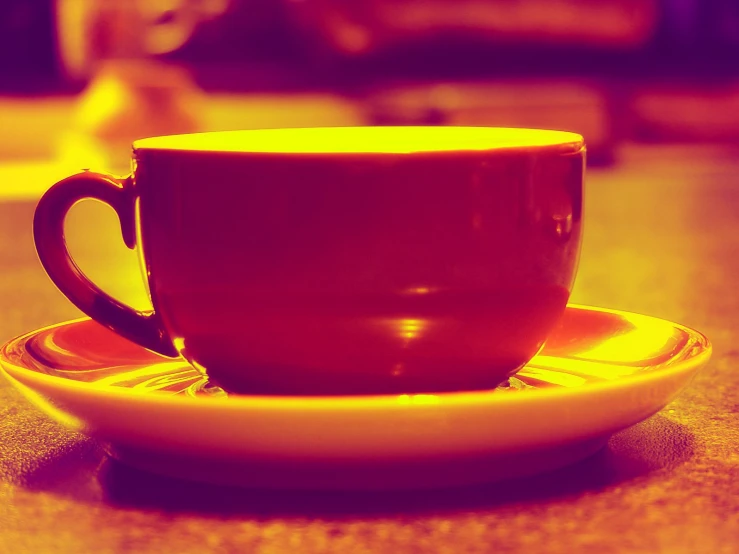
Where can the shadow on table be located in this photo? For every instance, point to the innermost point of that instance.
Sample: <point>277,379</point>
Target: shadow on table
<point>657,444</point>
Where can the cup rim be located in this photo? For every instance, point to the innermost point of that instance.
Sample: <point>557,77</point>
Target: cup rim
<point>368,141</point>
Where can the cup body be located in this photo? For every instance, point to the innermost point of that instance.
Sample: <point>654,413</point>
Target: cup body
<point>358,270</point>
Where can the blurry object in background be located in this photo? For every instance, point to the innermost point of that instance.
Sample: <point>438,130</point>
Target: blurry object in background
<point>228,43</point>
<point>42,140</point>
<point>127,100</point>
<point>654,69</point>
<point>130,97</point>
<point>131,94</point>
<point>363,27</point>
<point>577,107</point>
<point>93,31</point>
<point>239,45</point>
<point>673,113</point>
<point>702,41</point>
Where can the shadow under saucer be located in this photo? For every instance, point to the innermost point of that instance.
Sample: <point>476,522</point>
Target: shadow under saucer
<point>654,445</point>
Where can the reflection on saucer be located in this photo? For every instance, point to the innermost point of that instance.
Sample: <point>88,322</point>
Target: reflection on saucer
<point>589,346</point>
<point>600,372</point>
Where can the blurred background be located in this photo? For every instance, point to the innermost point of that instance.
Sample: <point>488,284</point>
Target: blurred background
<point>80,79</point>
<point>653,85</point>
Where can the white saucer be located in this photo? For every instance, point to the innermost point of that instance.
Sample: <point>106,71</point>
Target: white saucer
<point>601,371</point>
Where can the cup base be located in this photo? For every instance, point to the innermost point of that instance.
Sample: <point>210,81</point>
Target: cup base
<point>311,382</point>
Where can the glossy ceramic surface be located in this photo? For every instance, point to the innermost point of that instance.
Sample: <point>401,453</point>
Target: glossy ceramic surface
<point>340,261</point>
<point>601,371</point>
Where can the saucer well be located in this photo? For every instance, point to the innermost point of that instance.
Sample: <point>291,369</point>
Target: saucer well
<point>601,371</point>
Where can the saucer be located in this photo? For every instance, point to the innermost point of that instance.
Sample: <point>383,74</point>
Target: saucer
<point>601,371</point>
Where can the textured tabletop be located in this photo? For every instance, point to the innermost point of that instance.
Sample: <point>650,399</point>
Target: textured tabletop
<point>661,238</point>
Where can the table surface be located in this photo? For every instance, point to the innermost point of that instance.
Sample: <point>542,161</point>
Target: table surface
<point>661,238</point>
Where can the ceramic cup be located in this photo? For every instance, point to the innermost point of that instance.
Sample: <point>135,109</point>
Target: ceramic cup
<point>341,260</point>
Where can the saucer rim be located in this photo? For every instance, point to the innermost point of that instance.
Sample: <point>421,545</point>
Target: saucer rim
<point>17,372</point>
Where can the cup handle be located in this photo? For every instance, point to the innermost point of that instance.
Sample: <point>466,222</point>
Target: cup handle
<point>143,328</point>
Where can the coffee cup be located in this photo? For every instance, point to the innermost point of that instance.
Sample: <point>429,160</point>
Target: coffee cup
<point>358,260</point>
